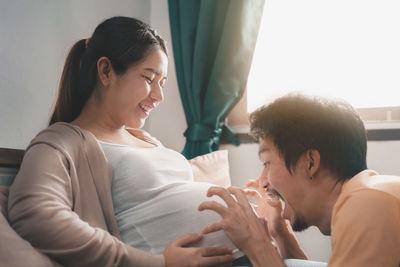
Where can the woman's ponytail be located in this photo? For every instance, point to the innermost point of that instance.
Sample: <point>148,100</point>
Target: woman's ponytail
<point>68,106</point>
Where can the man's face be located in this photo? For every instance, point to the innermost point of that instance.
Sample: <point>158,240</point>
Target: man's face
<point>291,187</point>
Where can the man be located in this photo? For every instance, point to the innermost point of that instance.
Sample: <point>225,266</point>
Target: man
<point>314,156</point>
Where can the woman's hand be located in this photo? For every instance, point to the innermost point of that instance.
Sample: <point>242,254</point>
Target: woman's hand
<point>177,254</point>
<point>248,232</point>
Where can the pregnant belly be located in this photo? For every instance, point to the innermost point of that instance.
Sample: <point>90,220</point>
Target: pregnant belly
<point>173,213</point>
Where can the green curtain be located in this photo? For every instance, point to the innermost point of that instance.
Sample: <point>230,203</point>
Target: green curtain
<point>213,43</point>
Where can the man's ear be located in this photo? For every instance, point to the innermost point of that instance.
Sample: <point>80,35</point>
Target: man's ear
<point>313,159</point>
<point>104,70</point>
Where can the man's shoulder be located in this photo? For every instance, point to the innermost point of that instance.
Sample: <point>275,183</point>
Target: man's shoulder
<point>369,196</point>
<point>366,207</point>
<point>362,219</point>
<point>363,197</point>
<point>369,182</point>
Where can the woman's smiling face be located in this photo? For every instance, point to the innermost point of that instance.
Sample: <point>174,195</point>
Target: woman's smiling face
<point>133,94</point>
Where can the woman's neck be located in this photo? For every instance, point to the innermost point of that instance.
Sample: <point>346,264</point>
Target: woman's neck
<point>95,120</point>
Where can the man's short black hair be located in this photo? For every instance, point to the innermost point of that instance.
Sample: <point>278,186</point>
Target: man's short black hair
<point>297,123</point>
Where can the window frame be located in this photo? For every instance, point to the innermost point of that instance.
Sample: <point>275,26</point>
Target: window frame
<point>387,129</point>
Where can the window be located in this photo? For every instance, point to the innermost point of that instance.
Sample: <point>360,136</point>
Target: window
<point>347,49</point>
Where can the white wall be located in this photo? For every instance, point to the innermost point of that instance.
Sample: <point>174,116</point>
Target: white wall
<point>35,39</point>
<point>168,124</point>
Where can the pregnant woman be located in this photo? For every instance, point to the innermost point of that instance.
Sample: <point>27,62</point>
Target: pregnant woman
<point>93,178</point>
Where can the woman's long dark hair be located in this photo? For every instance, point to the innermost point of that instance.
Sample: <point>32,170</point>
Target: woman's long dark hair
<point>123,40</point>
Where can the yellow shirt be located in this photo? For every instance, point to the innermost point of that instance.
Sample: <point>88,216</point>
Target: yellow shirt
<point>366,222</point>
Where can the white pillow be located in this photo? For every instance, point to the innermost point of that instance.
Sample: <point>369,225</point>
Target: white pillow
<point>212,168</point>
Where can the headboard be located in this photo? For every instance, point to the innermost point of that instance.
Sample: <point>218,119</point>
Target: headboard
<point>10,160</point>
<point>11,157</point>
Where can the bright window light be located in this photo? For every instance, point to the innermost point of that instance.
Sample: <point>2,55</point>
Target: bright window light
<point>347,49</point>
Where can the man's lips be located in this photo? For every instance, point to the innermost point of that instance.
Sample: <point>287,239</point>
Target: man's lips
<point>272,194</point>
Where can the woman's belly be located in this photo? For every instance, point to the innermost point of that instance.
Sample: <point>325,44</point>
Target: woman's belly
<point>172,213</point>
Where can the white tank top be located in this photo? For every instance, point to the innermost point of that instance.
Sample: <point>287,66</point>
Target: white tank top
<point>155,198</point>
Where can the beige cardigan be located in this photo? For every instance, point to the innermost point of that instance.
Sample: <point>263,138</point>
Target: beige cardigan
<point>61,202</point>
